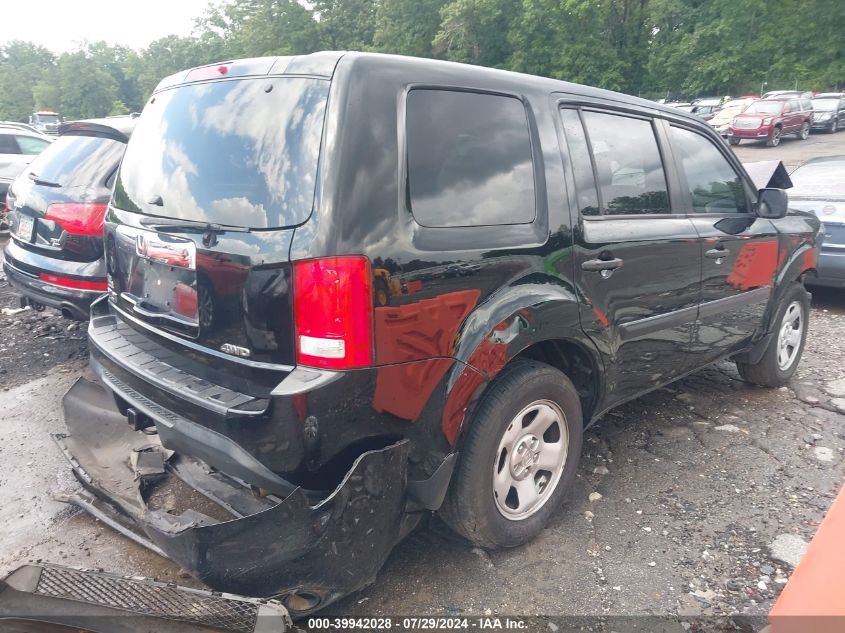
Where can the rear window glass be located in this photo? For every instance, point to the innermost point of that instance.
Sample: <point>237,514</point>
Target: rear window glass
<point>469,159</point>
<point>238,153</point>
<point>78,160</point>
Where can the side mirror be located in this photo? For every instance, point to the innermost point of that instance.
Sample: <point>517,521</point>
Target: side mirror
<point>772,203</point>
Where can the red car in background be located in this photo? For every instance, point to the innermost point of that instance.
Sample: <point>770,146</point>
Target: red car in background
<point>768,120</point>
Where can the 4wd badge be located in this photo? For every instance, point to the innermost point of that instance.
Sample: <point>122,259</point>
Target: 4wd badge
<point>235,350</point>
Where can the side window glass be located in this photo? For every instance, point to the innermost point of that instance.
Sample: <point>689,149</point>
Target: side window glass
<point>579,157</point>
<point>714,185</point>
<point>8,145</point>
<point>629,169</point>
<point>31,145</point>
<point>469,159</point>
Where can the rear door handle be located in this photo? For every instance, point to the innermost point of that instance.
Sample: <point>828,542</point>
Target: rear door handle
<point>598,265</point>
<point>717,253</point>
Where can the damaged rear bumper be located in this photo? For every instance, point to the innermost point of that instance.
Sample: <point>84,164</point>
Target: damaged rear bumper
<point>306,549</point>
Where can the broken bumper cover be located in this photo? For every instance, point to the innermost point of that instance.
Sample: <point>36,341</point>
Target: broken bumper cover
<point>306,550</point>
<point>106,603</point>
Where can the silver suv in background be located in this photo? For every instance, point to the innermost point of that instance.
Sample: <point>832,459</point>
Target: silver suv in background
<point>18,146</point>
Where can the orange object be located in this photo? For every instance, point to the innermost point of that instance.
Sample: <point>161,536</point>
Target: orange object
<point>813,600</point>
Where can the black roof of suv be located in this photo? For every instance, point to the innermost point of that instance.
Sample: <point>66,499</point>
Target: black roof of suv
<point>366,286</point>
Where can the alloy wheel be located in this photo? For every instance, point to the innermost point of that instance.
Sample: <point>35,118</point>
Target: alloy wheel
<point>790,334</point>
<point>530,460</point>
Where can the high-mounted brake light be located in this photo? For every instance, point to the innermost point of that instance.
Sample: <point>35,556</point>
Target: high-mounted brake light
<point>78,218</point>
<point>333,312</point>
<point>208,72</point>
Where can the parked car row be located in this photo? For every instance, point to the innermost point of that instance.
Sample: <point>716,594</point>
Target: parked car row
<point>777,114</point>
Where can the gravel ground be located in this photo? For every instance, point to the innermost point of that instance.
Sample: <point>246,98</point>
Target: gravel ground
<point>693,500</point>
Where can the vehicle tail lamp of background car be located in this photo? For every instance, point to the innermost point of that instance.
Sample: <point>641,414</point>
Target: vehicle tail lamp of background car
<point>78,218</point>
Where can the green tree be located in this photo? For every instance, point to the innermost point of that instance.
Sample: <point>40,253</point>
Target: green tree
<point>471,31</point>
<point>118,108</point>
<point>346,24</point>
<point>254,28</point>
<point>22,66</point>
<point>87,90</point>
<point>407,27</point>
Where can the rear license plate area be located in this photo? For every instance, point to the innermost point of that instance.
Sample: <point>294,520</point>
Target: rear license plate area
<point>163,284</point>
<point>22,229</point>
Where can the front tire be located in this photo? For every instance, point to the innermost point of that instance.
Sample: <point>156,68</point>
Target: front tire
<point>834,126</point>
<point>783,353</point>
<point>519,458</point>
<point>733,141</point>
<point>774,141</point>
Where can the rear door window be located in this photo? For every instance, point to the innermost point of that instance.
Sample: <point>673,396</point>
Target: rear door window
<point>714,185</point>
<point>238,152</point>
<point>629,169</point>
<point>469,159</point>
<point>31,145</point>
<point>78,160</point>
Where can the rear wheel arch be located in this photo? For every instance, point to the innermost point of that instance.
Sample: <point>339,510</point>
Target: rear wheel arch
<point>575,360</point>
<point>468,384</point>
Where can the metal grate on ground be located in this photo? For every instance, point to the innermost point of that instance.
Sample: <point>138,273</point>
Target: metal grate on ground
<point>151,599</point>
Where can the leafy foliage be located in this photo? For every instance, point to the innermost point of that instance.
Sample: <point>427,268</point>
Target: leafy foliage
<point>657,48</point>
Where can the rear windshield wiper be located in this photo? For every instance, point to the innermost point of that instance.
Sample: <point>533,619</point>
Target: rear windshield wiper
<point>191,226</point>
<point>38,181</point>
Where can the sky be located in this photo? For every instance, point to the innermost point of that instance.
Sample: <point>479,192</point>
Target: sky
<point>62,25</point>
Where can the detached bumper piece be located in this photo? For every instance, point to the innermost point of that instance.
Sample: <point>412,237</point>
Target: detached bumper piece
<point>307,549</point>
<point>47,598</point>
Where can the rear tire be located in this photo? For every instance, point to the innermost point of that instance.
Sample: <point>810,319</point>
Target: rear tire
<point>804,132</point>
<point>783,353</point>
<point>528,421</point>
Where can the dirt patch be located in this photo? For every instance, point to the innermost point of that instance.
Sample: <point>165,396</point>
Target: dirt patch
<point>33,343</point>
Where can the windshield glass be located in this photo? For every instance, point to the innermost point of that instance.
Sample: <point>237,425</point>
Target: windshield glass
<point>78,160</point>
<point>763,107</point>
<point>819,179</point>
<point>736,103</point>
<point>47,118</point>
<point>237,153</point>
<point>825,105</point>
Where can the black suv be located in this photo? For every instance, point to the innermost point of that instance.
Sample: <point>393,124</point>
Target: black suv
<point>550,251</point>
<point>56,210</point>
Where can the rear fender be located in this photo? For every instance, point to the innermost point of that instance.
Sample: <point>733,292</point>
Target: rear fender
<point>535,309</point>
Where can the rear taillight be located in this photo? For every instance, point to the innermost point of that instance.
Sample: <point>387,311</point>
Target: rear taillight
<point>333,312</point>
<point>78,218</point>
<point>77,284</point>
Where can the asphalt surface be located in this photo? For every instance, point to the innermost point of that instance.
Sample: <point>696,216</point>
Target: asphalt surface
<point>708,487</point>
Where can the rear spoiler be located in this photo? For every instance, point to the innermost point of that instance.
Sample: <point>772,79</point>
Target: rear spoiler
<point>85,128</point>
